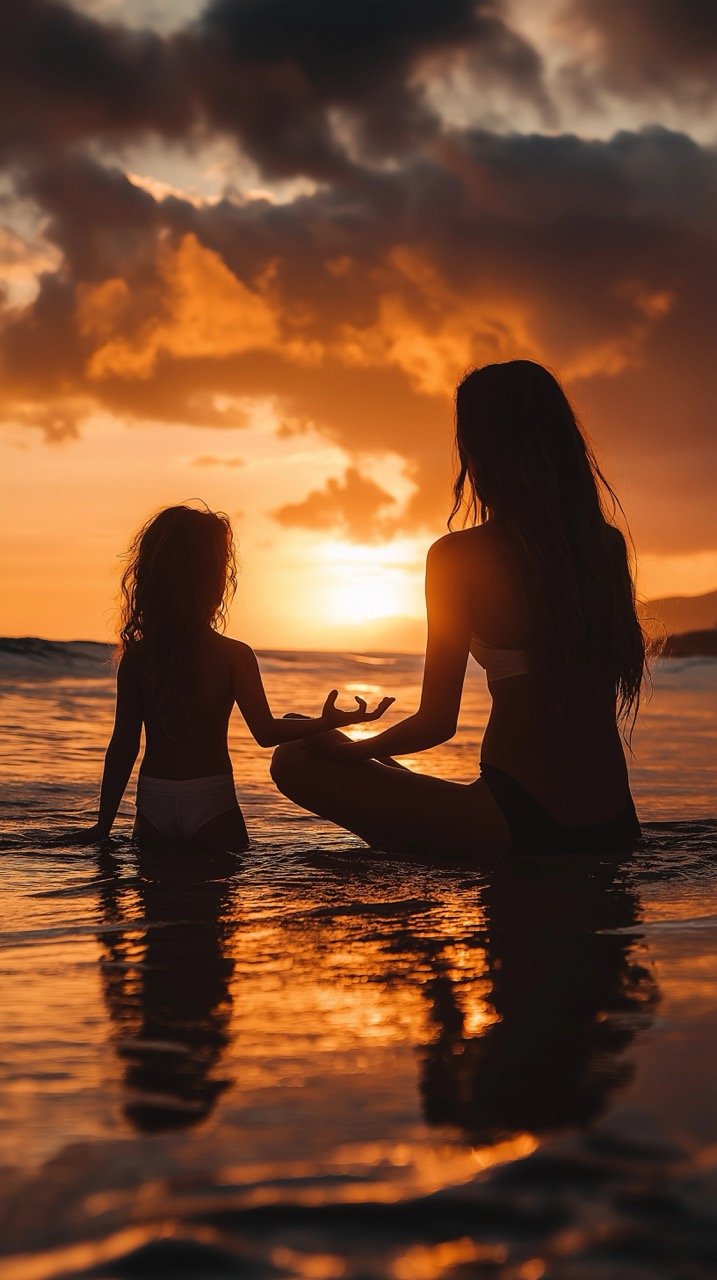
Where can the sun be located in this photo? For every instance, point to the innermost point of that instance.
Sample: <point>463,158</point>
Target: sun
<point>365,583</point>
<point>366,596</point>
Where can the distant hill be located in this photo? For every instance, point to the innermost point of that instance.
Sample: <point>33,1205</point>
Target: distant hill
<point>691,644</point>
<point>674,615</point>
<point>671,616</point>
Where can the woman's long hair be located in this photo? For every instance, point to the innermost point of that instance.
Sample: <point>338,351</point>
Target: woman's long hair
<point>527,465</point>
<point>179,580</point>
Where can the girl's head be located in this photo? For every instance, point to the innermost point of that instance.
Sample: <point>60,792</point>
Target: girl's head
<point>181,573</point>
<point>525,464</point>
<point>179,581</point>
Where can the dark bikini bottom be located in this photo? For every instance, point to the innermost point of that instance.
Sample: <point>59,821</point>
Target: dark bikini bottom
<point>533,830</point>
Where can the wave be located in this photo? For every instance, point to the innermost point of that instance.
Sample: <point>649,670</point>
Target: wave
<point>30,657</point>
<point>556,1203</point>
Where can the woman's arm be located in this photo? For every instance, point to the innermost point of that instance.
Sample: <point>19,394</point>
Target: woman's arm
<point>269,731</point>
<point>448,610</point>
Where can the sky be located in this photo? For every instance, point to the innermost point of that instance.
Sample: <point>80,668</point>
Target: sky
<point>248,248</point>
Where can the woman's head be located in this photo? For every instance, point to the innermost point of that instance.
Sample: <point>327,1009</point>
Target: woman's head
<point>519,442</point>
<point>525,464</point>
<point>179,581</point>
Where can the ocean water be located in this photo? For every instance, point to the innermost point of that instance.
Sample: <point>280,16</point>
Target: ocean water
<point>314,1062</point>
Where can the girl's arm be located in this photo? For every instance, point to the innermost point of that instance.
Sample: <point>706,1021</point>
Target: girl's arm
<point>122,751</point>
<point>447,646</point>
<point>269,731</point>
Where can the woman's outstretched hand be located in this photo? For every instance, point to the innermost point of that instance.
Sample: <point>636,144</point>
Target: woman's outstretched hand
<point>335,718</point>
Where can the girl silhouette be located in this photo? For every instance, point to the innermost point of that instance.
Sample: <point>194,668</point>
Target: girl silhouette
<point>180,678</point>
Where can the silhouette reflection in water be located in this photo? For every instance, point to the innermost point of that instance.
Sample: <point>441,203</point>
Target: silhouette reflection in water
<point>531,1010</point>
<point>565,999</point>
<point>166,983</point>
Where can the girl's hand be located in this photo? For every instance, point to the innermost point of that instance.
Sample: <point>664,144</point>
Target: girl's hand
<point>336,719</point>
<point>82,835</point>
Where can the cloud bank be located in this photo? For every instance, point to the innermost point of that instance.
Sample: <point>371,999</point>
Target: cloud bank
<point>416,248</point>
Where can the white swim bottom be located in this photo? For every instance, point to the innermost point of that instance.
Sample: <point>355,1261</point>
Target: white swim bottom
<point>178,809</point>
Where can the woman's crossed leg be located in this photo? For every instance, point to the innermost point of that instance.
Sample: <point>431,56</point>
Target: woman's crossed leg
<point>391,807</point>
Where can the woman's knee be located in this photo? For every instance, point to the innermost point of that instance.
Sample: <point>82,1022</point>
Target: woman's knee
<point>288,765</point>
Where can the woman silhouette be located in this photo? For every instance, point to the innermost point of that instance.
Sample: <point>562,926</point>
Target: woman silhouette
<point>538,589</point>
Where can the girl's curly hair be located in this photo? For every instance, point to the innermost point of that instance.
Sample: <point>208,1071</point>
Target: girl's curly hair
<point>179,579</point>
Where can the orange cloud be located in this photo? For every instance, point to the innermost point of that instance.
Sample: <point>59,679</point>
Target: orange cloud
<point>430,331</point>
<point>433,331</point>
<point>204,310</point>
<point>352,505</point>
<point>356,307</point>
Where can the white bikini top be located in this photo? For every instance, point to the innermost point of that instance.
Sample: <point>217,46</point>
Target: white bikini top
<point>499,664</point>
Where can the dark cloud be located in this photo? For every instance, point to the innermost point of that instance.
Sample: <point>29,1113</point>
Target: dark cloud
<point>356,308</point>
<point>65,77</point>
<point>270,73</point>
<point>352,505</point>
<point>102,222</point>
<point>644,47</point>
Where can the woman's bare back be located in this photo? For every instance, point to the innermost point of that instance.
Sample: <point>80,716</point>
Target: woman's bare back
<point>574,765</point>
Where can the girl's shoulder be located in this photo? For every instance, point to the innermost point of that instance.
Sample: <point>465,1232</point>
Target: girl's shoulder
<point>128,660</point>
<point>232,650</point>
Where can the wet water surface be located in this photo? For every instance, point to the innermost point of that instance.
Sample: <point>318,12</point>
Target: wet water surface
<point>312,1062</point>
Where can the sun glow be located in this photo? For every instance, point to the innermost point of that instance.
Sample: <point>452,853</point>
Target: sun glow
<point>365,583</point>
<point>368,596</point>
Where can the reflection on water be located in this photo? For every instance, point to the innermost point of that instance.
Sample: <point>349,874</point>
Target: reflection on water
<point>564,1002</point>
<point>312,1062</point>
<point>382,1099</point>
<point>166,985</point>
<point>527,1023</point>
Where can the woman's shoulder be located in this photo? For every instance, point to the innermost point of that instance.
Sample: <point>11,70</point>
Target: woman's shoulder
<point>615,539</point>
<point>476,543</point>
